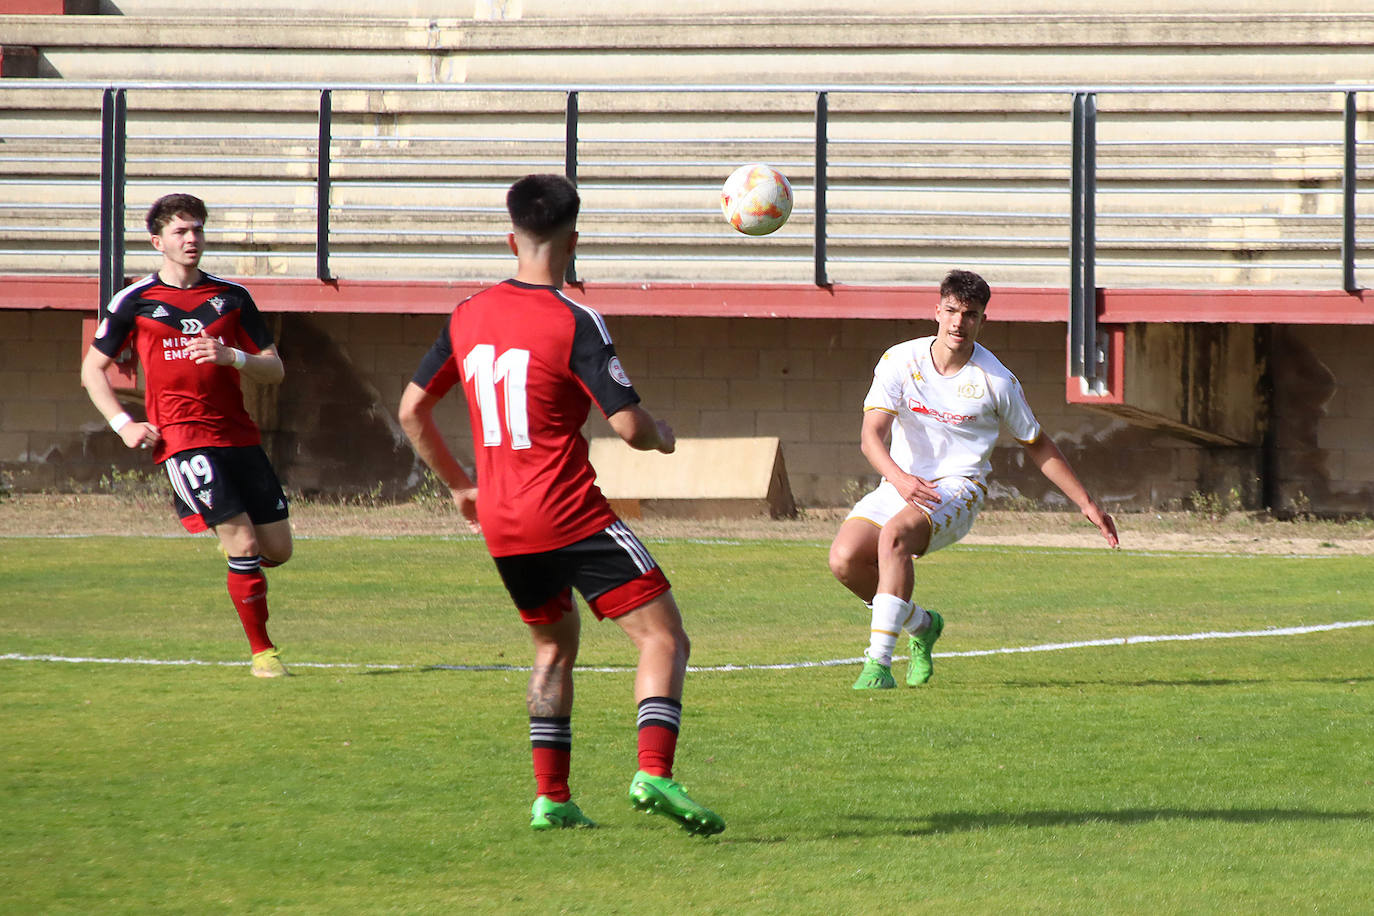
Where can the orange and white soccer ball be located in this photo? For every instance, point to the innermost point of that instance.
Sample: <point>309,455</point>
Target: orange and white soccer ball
<point>756,199</point>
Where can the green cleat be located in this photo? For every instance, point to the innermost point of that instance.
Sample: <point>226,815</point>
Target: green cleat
<point>267,663</point>
<point>922,666</point>
<point>548,814</point>
<point>660,795</point>
<point>875,676</point>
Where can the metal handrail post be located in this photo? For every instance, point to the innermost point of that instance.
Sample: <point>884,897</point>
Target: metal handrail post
<point>570,168</point>
<point>113,127</point>
<point>822,131</point>
<point>323,185</point>
<point>1076,361</point>
<point>1348,180</point>
<point>1083,355</point>
<point>1091,365</point>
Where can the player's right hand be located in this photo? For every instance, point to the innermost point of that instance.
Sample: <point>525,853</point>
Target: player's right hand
<point>139,435</point>
<point>466,501</point>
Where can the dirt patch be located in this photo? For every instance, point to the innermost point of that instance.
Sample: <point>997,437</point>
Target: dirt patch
<point>91,514</point>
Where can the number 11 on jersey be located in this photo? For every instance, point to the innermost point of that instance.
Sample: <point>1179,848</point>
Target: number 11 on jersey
<point>485,369</point>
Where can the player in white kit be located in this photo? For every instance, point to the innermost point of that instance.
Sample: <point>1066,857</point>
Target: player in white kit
<point>942,401</point>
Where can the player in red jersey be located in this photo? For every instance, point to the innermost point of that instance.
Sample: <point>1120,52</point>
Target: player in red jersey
<point>195,336</point>
<point>531,361</point>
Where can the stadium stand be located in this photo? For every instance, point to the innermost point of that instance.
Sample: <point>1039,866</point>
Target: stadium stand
<point>1216,189</point>
<point>1224,190</point>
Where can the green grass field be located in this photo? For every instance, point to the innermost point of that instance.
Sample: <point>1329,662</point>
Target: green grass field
<point>1222,775</point>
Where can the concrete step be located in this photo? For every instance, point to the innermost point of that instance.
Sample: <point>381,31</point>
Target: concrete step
<point>1064,48</point>
<point>653,31</point>
<point>597,10</point>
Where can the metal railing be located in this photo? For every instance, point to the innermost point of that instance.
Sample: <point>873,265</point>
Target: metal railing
<point>870,191</point>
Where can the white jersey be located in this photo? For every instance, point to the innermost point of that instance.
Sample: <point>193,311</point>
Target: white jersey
<point>947,426</point>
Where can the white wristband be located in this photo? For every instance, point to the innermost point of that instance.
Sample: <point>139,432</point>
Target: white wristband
<point>119,422</point>
<point>239,357</point>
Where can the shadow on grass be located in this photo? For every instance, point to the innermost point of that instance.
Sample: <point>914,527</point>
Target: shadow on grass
<point>518,669</point>
<point>425,669</point>
<point>1179,682</point>
<point>951,822</point>
<point>971,821</point>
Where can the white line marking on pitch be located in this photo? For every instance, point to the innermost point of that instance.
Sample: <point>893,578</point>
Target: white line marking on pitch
<point>780,666</point>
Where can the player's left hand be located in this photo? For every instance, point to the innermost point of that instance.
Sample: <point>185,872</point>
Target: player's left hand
<point>206,349</point>
<point>667,439</point>
<point>1104,522</point>
<point>917,491</point>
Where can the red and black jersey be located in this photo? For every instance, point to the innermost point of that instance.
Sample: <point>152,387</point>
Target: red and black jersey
<point>193,406</point>
<point>530,361</point>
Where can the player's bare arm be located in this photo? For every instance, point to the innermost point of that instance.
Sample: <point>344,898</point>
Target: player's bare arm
<point>873,442</point>
<point>265,366</point>
<point>135,434</point>
<point>641,431</point>
<point>1052,463</point>
<point>417,419</point>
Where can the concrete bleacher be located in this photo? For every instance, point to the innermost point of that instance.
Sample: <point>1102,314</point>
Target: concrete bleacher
<point>1300,46</point>
<point>917,180</point>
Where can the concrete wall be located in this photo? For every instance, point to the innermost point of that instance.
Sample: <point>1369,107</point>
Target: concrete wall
<point>805,380</point>
<point>800,379</point>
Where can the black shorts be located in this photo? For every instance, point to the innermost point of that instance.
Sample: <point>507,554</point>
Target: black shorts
<point>212,485</point>
<point>612,569</point>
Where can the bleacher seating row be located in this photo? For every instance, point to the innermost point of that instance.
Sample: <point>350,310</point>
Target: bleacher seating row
<point>1302,46</point>
<point>1220,188</point>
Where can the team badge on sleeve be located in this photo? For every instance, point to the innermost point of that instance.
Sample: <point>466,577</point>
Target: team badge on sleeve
<point>618,372</point>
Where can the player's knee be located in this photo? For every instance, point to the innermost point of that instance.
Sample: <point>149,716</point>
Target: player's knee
<point>555,656</point>
<point>847,562</point>
<point>903,539</point>
<point>841,560</point>
<point>670,642</point>
<point>276,556</point>
<point>837,562</point>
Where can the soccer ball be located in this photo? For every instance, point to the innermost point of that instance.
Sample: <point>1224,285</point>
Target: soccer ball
<point>756,199</point>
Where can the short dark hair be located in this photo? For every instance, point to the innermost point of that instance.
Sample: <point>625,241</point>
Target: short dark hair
<point>965,286</point>
<point>543,205</point>
<point>170,206</point>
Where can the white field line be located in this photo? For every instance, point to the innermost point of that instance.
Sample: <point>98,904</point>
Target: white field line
<point>780,666</point>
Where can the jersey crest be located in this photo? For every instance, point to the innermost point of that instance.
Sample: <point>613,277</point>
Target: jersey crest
<point>618,372</point>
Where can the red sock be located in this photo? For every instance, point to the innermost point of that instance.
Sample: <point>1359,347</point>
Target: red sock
<point>659,721</point>
<point>551,769</point>
<point>551,748</point>
<point>248,590</point>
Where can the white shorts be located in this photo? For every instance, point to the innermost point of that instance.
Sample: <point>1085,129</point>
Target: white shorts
<point>960,500</point>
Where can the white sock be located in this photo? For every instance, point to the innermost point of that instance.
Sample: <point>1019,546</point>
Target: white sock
<point>889,612</point>
<point>918,622</point>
